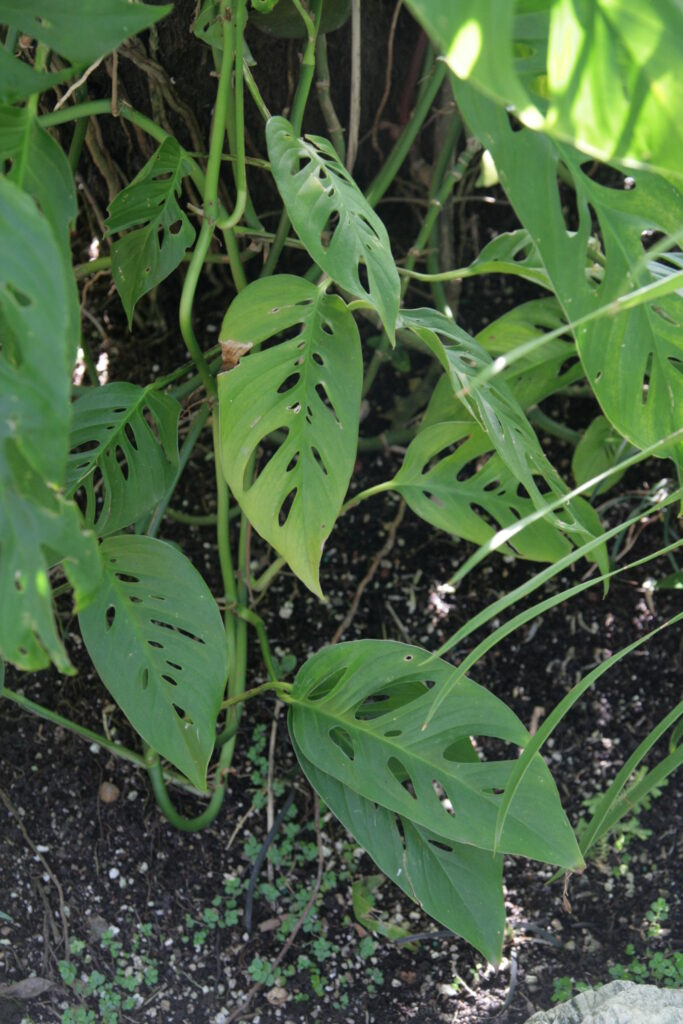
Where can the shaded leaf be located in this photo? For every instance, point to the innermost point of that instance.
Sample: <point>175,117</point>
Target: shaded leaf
<point>339,723</point>
<point>600,448</point>
<point>155,635</point>
<point>307,386</point>
<point>459,886</point>
<point>37,527</point>
<point>81,30</point>
<point>512,252</point>
<point>633,360</point>
<point>339,228</point>
<point>120,464</point>
<point>19,80</point>
<point>162,233</point>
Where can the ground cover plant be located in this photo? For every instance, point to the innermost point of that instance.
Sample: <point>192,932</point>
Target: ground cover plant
<point>420,762</point>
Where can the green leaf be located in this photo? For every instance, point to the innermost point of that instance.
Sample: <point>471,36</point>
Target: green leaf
<point>357,712</point>
<point>308,386</point>
<point>124,453</point>
<point>147,255</point>
<point>599,448</point>
<point>603,75</point>
<point>39,166</point>
<point>632,360</point>
<point>494,407</point>
<point>512,252</point>
<point>155,635</point>
<point>38,528</point>
<point>451,478</point>
<point>547,369</point>
<point>81,30</point>
<point>459,886</point>
<point>339,228</point>
<point>19,80</point>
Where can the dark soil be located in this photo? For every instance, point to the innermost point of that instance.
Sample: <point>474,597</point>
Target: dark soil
<point>71,861</point>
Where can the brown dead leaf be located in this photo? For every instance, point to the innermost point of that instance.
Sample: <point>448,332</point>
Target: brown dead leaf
<point>232,352</point>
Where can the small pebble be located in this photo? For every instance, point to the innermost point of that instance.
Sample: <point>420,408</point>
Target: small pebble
<point>109,793</point>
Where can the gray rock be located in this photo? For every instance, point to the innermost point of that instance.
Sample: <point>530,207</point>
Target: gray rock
<point>620,1002</point>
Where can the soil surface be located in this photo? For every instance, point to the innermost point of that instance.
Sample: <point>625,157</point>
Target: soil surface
<point>155,918</point>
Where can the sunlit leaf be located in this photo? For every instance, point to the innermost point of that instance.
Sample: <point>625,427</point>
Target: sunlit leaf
<point>307,387</point>
<point>155,635</point>
<point>603,75</point>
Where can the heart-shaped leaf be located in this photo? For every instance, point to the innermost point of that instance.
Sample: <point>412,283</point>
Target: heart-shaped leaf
<point>459,886</point>
<point>119,463</point>
<point>308,386</point>
<point>350,718</point>
<point>156,638</point>
<point>162,233</point>
<point>81,30</point>
<point>37,527</point>
<point>341,231</point>
<point>633,360</point>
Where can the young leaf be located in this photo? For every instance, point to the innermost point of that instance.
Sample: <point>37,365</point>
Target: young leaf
<point>459,886</point>
<point>308,387</point>
<point>162,233</point>
<point>19,80</point>
<point>81,30</point>
<point>118,461</point>
<point>351,719</point>
<point>633,360</point>
<point>603,75</point>
<point>37,527</point>
<point>341,231</point>
<point>512,252</point>
<point>156,638</point>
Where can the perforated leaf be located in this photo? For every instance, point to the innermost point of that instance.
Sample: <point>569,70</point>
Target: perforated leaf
<point>155,635</point>
<point>307,386</point>
<point>124,453</point>
<point>81,30</point>
<point>599,449</point>
<point>357,714</point>
<point>161,231</point>
<point>543,371</point>
<point>451,478</point>
<point>341,231</point>
<point>633,360</point>
<point>501,417</point>
<point>601,74</point>
<point>512,252</point>
<point>37,527</point>
<point>459,886</point>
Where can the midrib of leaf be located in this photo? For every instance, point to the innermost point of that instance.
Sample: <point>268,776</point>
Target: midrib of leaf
<point>112,438</point>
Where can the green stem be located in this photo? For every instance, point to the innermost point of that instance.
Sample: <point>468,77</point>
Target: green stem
<point>163,799</point>
<point>233,99</point>
<point>186,303</point>
<point>322,73</point>
<point>370,492</point>
<point>280,687</point>
<point>394,161</point>
<point>268,575</point>
<point>210,519</point>
<point>77,140</point>
<point>551,426</point>
<point>259,627</point>
<point>256,93</point>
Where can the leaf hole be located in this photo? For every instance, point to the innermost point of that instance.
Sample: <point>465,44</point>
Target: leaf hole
<point>342,739</point>
<point>176,227</point>
<point>169,679</point>
<point>286,507</point>
<point>325,686</point>
<point>130,435</point>
<point>317,358</point>
<point>363,278</point>
<point>124,577</point>
<point>288,383</point>
<point>144,679</point>
<point>109,617</point>
<point>155,643</point>
<point>319,460</point>
<point>402,776</point>
<point>19,297</point>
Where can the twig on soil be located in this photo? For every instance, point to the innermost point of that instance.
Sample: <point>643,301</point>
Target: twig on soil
<point>260,857</point>
<point>243,1008</point>
<point>53,878</point>
<point>270,802</point>
<point>511,987</point>
<point>374,565</point>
